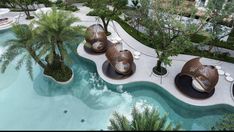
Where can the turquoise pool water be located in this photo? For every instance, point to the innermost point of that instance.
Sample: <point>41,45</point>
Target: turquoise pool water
<point>88,102</point>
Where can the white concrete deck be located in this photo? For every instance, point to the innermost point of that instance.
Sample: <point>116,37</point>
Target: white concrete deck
<point>148,60</point>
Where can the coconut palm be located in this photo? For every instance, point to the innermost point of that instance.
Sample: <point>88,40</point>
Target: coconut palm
<point>21,46</point>
<point>47,41</point>
<point>55,34</point>
<point>148,120</point>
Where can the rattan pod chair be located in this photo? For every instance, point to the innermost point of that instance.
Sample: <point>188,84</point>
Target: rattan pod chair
<point>120,60</point>
<point>205,75</point>
<point>96,38</point>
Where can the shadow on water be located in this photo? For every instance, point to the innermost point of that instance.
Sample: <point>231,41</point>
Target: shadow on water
<point>86,85</point>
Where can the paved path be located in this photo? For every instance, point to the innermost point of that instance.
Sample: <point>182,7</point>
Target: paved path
<point>148,60</point>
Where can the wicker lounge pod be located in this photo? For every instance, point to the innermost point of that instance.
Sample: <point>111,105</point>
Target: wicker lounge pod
<point>96,40</point>
<point>120,63</point>
<point>197,80</point>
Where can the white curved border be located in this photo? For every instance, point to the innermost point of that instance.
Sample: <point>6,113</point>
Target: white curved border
<point>231,90</point>
<point>62,83</point>
<point>8,25</point>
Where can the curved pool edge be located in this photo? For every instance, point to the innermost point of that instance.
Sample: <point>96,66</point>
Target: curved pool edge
<point>98,60</point>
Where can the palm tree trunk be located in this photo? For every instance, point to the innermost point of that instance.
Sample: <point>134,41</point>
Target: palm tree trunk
<point>59,45</point>
<point>35,57</point>
<point>61,56</point>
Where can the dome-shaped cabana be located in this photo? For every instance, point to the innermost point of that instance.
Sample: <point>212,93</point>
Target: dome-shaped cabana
<point>121,62</point>
<point>197,80</point>
<point>205,75</point>
<point>96,39</point>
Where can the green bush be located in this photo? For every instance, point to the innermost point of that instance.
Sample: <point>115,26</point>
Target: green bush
<point>203,53</point>
<point>134,33</point>
<point>68,7</point>
<point>71,8</point>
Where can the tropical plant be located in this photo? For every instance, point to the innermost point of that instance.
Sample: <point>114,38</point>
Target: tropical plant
<point>107,10</point>
<point>55,34</point>
<point>225,124</point>
<point>22,48</point>
<point>24,6</point>
<point>46,40</point>
<point>148,120</point>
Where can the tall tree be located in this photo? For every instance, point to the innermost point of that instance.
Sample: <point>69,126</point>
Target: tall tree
<point>7,3</point>
<point>24,6</point>
<point>148,120</point>
<point>167,30</point>
<point>219,12</point>
<point>55,33</point>
<point>107,10</point>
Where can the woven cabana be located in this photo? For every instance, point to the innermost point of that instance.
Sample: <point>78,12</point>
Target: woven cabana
<point>120,60</point>
<point>205,75</point>
<point>96,38</point>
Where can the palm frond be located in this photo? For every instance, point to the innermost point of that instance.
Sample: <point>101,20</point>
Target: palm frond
<point>20,62</point>
<point>8,56</point>
<point>148,120</point>
<point>66,56</point>
<point>119,123</point>
<point>29,66</point>
<point>51,57</point>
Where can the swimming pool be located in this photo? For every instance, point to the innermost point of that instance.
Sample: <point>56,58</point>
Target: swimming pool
<point>87,102</point>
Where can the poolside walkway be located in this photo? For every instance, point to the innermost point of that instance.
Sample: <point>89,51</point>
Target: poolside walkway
<point>148,60</point>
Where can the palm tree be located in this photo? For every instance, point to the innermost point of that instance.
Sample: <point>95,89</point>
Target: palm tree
<point>54,30</point>
<point>22,46</point>
<point>49,39</point>
<point>226,123</point>
<point>55,33</point>
<point>148,120</point>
